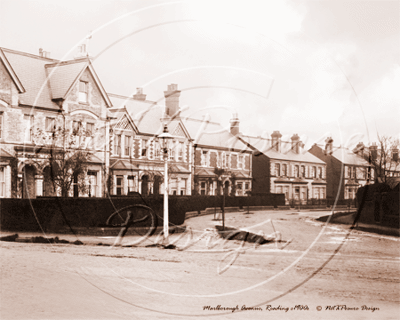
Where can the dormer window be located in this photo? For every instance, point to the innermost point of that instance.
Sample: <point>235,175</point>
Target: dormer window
<point>83,91</point>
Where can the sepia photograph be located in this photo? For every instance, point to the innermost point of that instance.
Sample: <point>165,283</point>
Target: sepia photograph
<point>211,159</point>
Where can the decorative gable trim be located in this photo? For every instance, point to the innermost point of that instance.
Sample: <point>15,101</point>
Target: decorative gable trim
<point>125,124</point>
<point>179,131</point>
<point>11,72</point>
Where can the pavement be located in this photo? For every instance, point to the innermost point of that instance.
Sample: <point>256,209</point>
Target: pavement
<point>92,237</point>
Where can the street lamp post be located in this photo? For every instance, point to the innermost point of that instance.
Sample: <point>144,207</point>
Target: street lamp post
<point>165,137</point>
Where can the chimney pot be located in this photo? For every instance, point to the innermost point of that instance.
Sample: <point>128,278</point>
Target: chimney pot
<point>234,129</point>
<point>328,146</point>
<point>276,137</point>
<point>295,143</point>
<point>373,151</point>
<point>139,95</point>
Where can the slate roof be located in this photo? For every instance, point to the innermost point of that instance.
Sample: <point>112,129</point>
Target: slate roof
<point>123,165</point>
<point>11,71</point>
<point>212,134</point>
<point>264,145</point>
<point>5,155</point>
<point>346,156</point>
<point>45,79</point>
<point>30,70</point>
<point>145,114</point>
<point>95,159</point>
<point>63,75</point>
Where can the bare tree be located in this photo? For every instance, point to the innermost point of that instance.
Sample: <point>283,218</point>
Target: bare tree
<point>67,156</point>
<point>384,158</point>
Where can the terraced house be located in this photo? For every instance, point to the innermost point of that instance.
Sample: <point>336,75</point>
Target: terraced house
<point>39,95</point>
<point>285,167</point>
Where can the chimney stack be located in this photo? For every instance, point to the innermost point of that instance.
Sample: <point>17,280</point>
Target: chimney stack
<point>172,100</point>
<point>276,139</point>
<point>328,146</point>
<point>44,54</point>
<point>359,150</point>
<point>373,149</point>
<point>295,143</point>
<point>139,95</point>
<point>234,124</point>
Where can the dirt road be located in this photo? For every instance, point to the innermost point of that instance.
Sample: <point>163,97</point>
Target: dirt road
<point>314,266</point>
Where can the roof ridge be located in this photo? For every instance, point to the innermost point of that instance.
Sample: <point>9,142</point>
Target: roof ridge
<point>129,98</point>
<point>200,120</point>
<point>26,54</point>
<point>66,62</point>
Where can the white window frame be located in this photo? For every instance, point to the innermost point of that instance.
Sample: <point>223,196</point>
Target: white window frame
<point>1,124</point>
<point>50,124</point>
<point>83,91</point>
<point>29,120</point>
<point>2,182</point>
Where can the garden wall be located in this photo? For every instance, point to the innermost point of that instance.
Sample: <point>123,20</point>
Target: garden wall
<point>51,214</point>
<point>381,205</point>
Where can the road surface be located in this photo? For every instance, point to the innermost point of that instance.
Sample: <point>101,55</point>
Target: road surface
<point>315,271</point>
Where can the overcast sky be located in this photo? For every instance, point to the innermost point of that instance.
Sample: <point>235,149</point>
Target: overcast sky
<point>314,68</point>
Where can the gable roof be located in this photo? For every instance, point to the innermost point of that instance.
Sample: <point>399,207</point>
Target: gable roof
<point>263,145</point>
<point>11,72</point>
<point>63,75</point>
<point>346,156</point>
<point>212,134</point>
<point>45,79</point>
<point>123,165</point>
<point>123,120</point>
<point>147,116</point>
<point>30,69</point>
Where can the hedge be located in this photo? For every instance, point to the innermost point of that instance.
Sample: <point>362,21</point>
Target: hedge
<point>51,214</point>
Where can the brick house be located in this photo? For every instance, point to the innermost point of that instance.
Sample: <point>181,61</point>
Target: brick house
<point>38,94</point>
<point>215,150</point>
<point>346,170</point>
<point>136,161</point>
<point>285,167</point>
<point>222,163</point>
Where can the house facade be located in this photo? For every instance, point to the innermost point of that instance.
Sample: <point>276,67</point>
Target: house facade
<point>221,162</point>
<point>41,96</point>
<point>346,170</point>
<point>285,167</point>
<point>38,96</point>
<point>136,159</point>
